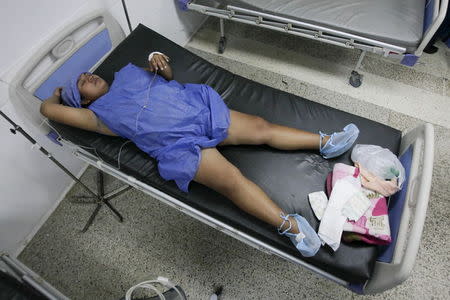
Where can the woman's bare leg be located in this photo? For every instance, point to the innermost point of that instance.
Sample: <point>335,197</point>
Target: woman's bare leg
<point>216,172</point>
<point>253,130</point>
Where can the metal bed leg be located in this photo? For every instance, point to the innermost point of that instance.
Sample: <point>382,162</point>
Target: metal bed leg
<point>103,199</point>
<point>223,39</point>
<point>355,79</point>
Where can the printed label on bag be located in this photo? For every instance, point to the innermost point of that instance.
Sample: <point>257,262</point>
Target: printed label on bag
<point>377,223</point>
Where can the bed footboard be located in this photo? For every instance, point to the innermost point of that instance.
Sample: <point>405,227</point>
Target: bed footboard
<point>386,275</point>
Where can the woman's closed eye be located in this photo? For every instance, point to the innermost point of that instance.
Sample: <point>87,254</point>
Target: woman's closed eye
<point>83,79</point>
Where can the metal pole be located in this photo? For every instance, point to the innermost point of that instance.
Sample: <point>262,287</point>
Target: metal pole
<point>17,128</point>
<point>222,27</point>
<point>126,15</point>
<point>101,191</point>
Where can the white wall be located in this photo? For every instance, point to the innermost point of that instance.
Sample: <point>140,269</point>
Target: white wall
<point>165,17</point>
<point>31,186</point>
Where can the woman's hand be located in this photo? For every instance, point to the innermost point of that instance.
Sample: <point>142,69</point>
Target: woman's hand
<point>159,62</point>
<point>55,98</point>
<point>57,92</point>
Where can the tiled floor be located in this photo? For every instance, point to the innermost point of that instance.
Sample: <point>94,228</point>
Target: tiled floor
<point>156,240</point>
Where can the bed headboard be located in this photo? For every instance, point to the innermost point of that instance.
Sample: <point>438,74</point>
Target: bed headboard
<point>85,57</point>
<point>79,46</point>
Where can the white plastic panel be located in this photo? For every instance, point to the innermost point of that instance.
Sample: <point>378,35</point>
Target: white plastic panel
<point>62,50</point>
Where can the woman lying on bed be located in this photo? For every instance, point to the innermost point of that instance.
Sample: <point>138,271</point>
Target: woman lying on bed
<point>180,125</point>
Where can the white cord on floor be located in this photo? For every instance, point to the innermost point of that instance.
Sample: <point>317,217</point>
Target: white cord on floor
<point>149,286</point>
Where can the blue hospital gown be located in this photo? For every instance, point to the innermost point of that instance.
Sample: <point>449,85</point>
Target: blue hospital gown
<point>171,122</point>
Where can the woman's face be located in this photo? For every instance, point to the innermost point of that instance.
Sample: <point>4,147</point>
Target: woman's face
<point>91,87</point>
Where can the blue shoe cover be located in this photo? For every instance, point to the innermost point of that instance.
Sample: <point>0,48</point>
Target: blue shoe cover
<point>339,142</point>
<point>307,241</point>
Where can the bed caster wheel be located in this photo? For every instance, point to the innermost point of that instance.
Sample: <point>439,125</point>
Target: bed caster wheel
<point>355,79</point>
<point>222,44</point>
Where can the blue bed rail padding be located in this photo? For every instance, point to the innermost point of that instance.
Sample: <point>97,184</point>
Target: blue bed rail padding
<point>81,61</point>
<point>183,4</point>
<point>53,136</point>
<point>428,18</point>
<point>356,288</point>
<point>409,60</point>
<point>396,204</point>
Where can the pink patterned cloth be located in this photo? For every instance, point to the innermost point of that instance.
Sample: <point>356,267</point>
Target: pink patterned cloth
<point>373,227</point>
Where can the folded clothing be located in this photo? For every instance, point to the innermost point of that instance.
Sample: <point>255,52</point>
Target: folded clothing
<point>319,202</point>
<point>368,179</point>
<point>332,224</point>
<point>373,227</point>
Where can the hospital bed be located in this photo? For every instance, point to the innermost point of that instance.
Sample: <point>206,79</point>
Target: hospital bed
<point>395,28</point>
<point>96,42</point>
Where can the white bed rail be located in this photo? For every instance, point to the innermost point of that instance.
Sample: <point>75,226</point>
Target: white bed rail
<point>388,275</point>
<point>437,21</point>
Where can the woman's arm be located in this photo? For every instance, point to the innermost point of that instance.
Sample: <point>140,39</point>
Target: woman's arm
<point>77,117</point>
<point>160,63</point>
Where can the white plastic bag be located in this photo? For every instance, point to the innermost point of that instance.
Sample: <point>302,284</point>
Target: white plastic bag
<point>380,161</point>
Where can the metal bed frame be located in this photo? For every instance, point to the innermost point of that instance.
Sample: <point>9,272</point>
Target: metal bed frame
<point>322,33</point>
<point>385,275</point>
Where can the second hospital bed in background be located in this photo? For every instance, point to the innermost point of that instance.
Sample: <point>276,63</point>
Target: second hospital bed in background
<point>394,28</point>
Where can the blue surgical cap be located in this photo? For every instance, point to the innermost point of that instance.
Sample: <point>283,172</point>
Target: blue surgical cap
<point>70,93</point>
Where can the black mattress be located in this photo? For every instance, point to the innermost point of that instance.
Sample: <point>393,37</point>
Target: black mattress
<point>286,176</point>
